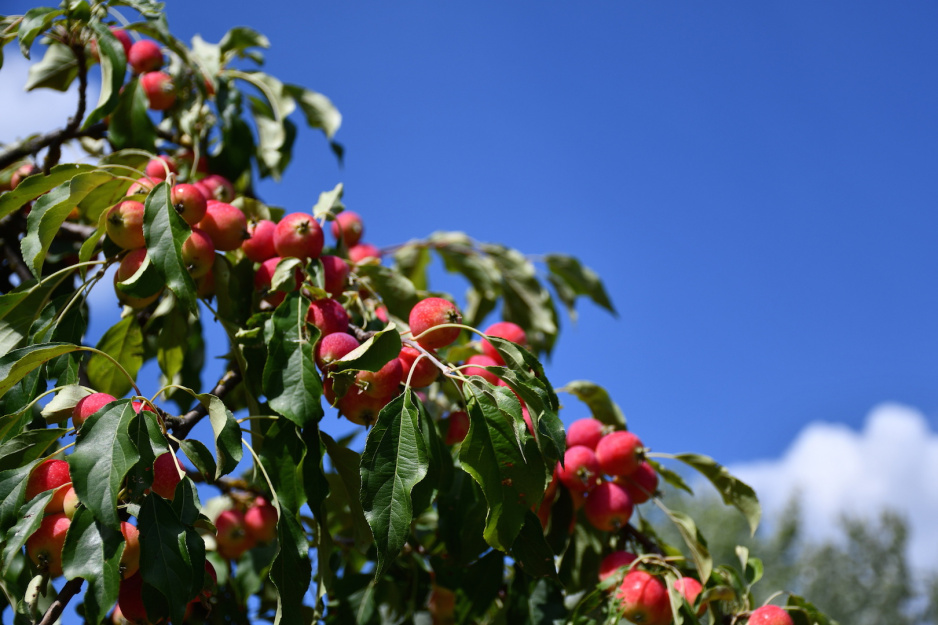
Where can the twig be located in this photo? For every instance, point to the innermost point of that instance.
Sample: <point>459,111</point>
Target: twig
<point>30,147</point>
<point>645,541</point>
<point>55,148</point>
<point>69,590</point>
<point>181,426</point>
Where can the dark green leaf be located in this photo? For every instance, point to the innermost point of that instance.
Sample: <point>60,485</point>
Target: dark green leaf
<point>282,456</point>
<point>130,125</point>
<point>373,354</point>
<point>172,341</point>
<point>695,542</point>
<point>239,39</point>
<point>165,232</point>
<point>227,434</point>
<point>314,479</point>
<point>805,612</point>
<point>124,343</point>
<point>579,279</point>
<point>34,22</point>
<point>165,562</point>
<point>412,261</point>
<point>104,453</point>
<point>531,551</point>
<point>57,69</point>
<point>396,291</point>
<point>394,461</point>
<point>93,551</point>
<point>113,68</point>
<point>347,463</point>
<point>145,282</point>
<point>292,571</point>
<point>30,516</point>
<point>15,365</point>
<point>199,455</point>
<point>460,256</point>
<point>291,383</point>
<point>318,109</point>
<point>734,491</point>
<point>598,400</point>
<point>671,477</point>
<point>37,184</point>
<point>27,447</point>
<point>12,493</point>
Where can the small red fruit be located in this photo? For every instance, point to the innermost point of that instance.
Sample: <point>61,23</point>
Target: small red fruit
<point>263,280</point>
<point>770,615</point>
<point>198,254</point>
<point>44,546</point>
<point>690,589</point>
<point>48,474</point>
<point>619,453</point>
<point>157,167</point>
<point>641,484</point>
<point>225,224</point>
<point>126,270</point>
<point>260,521</point>
<point>615,561</point>
<point>130,599</point>
<point>381,383</point>
<point>580,470</point>
<point>298,235</point>
<point>608,507</point>
<point>425,373</point>
<point>165,475</point>
<point>361,408</point>
<point>586,432</point>
<point>429,313</point>
<point>89,405</point>
<point>328,315</point>
<point>332,347</point>
<point>644,599</point>
<point>335,274</point>
<point>145,56</point>
<point>189,203</point>
<point>364,252</point>
<point>141,185</point>
<point>125,224</point>
<point>481,361</point>
<point>259,246</point>
<point>232,537</point>
<point>458,428</point>
<point>348,227</point>
<point>160,90</point>
<point>130,559</point>
<point>503,330</point>
<point>215,187</point>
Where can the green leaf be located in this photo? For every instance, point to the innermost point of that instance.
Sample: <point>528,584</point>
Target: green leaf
<point>694,540</point>
<point>239,39</point>
<point>459,256</point>
<point>396,291</point>
<point>291,383</point>
<point>598,400</point>
<point>165,232</point>
<point>93,551</point>
<point>62,406</point>
<point>12,493</point>
<point>347,463</point>
<point>373,354</point>
<point>49,213</point>
<point>18,309</point>
<point>37,184</point>
<point>30,517</point>
<point>199,455</point>
<point>130,125</point>
<point>57,69</point>
<point>124,343</point>
<point>284,278</point>
<point>579,279</point>
<point>15,365</point>
<point>314,479</point>
<point>34,22</point>
<point>282,456</point>
<point>734,491</point>
<point>412,260</point>
<point>113,68</point>
<point>531,551</point>
<point>28,446</point>
<point>395,460</point>
<point>671,477</point>
<point>104,453</point>
<point>806,613</point>
<point>227,434</point>
<point>165,562</point>
<point>318,109</point>
<point>329,203</point>
<point>512,474</point>
<point>291,571</point>
<point>172,341</point>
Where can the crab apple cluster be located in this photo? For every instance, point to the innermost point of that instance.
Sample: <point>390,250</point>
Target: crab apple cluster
<point>238,531</point>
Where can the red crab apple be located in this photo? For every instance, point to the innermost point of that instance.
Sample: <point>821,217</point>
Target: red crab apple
<point>332,347</point>
<point>479,361</point>
<point>690,589</point>
<point>128,267</point>
<point>130,599</point>
<point>160,90</point>
<point>23,172</point>
<point>44,546</point>
<point>641,484</point>
<point>141,185</point>
<point>225,224</point>
<point>586,432</point>
<point>335,274</point>
<point>298,235</point>
<point>644,599</point>
<point>48,474</point>
<point>232,537</point>
<point>381,383</point>
<point>425,371</point>
<point>145,56</point>
<point>441,604</point>
<point>260,521</point>
<point>89,405</point>
<point>363,252</point>
<point>580,470</point>
<point>619,453</point>
<point>359,407</point>
<point>348,227</point>
<point>328,315</point>
<point>458,428</point>
<point>259,246</point>
<point>198,254</point>
<point>130,559</point>
<point>165,475</point>
<point>770,615</point>
<point>616,560</point>
<point>504,330</point>
<point>157,167</point>
<point>608,507</point>
<point>215,187</point>
<point>189,203</point>
<point>429,313</point>
<point>205,286</point>
<point>263,280</point>
<point>125,224</point>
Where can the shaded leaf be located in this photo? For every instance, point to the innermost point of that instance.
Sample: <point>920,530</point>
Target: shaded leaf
<point>579,279</point>
<point>734,491</point>
<point>598,400</point>
<point>34,22</point>
<point>124,343</point>
<point>291,571</point>
<point>531,551</point>
<point>318,109</point>
<point>165,232</point>
<point>113,69</point>
<point>30,517</point>
<point>37,184</point>
<point>130,125</point>
<point>374,353</point>
<point>164,558</point>
<point>396,291</point>
<point>26,447</point>
<point>15,365</point>
<point>93,551</point>
<point>227,434</point>
<point>199,455</point>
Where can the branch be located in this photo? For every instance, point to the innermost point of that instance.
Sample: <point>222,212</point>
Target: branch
<point>181,426</point>
<point>30,147</point>
<point>69,590</point>
<point>55,148</point>
<point>646,542</point>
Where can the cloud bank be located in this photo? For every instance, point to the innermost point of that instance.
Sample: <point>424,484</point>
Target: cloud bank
<point>892,463</point>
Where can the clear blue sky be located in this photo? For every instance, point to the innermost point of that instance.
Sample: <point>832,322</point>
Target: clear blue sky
<point>756,183</point>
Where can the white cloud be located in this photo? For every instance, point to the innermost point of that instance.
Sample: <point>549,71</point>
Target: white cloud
<point>892,463</point>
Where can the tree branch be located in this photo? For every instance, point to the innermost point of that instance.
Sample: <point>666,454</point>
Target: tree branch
<point>69,590</point>
<point>631,532</point>
<point>55,148</point>
<point>30,147</point>
<point>181,426</point>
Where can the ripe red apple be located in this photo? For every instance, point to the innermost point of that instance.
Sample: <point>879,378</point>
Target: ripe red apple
<point>608,507</point>
<point>205,286</point>
<point>260,521</point>
<point>215,187</point>
<point>189,203</point>
<point>441,604</point>
<point>458,428</point>
<point>429,313</point>
<point>89,405</point>
<point>503,330</point>
<point>232,538</point>
<point>613,562</point>
<point>298,235</point>
<point>130,559</point>
<point>641,484</point>
<point>22,172</point>
<point>425,373</point>
<point>44,546</point>
<point>225,224</point>
<point>259,246</point>
<point>125,224</point>
<point>198,254</point>
<point>145,56</point>
<point>481,361</point>
<point>328,315</point>
<point>48,474</point>
<point>335,275</point>
<point>130,599</point>
<point>165,475</point>
<point>619,453</point>
<point>332,347</point>
<point>156,168</point>
<point>381,383</point>
<point>361,408</point>
<point>363,252</point>
<point>580,470</point>
<point>348,227</point>
<point>690,589</point>
<point>160,90</point>
<point>586,432</point>
<point>263,280</point>
<point>644,599</point>
<point>128,267</point>
<point>141,185</point>
<point>770,615</point>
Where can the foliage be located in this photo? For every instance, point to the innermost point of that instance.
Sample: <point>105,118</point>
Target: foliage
<point>452,511</point>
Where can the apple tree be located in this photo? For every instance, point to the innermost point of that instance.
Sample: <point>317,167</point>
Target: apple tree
<point>466,501</point>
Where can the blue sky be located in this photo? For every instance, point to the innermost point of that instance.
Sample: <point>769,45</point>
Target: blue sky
<point>755,182</point>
